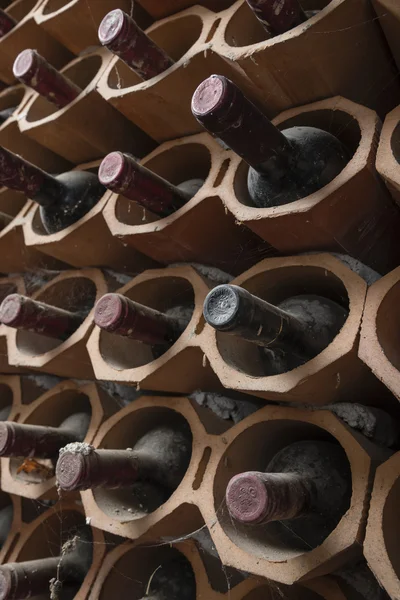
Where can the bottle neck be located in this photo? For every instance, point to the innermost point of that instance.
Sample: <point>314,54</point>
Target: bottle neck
<point>27,579</point>
<point>19,174</point>
<point>278,16</point>
<point>234,310</point>
<point>7,23</point>
<point>23,440</point>
<point>255,498</point>
<point>122,174</point>
<point>122,36</point>
<point>83,467</point>
<point>120,315</point>
<point>221,107</point>
<point>34,71</point>
<point>22,312</point>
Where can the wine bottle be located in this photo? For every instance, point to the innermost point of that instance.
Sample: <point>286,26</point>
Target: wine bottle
<point>119,315</point>
<point>286,165</point>
<point>6,114</point>
<point>278,16</point>
<point>7,22</point>
<point>51,321</point>
<point>46,577</point>
<point>173,580</point>
<point>34,71</point>
<point>160,457</point>
<point>304,492</point>
<point>122,174</point>
<point>24,440</point>
<point>63,199</point>
<point>123,37</point>
<point>288,334</point>
<point>6,517</point>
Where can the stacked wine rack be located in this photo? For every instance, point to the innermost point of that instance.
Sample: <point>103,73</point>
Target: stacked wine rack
<point>199,274</point>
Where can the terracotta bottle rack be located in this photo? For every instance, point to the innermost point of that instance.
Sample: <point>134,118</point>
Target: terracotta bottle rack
<point>28,34</point>
<point>389,19</point>
<point>8,285</point>
<point>51,408</point>
<point>16,394</point>
<point>321,588</point>
<point>379,347</point>
<point>336,373</point>
<point>129,567</point>
<point>387,158</point>
<point>342,39</point>
<point>202,230</point>
<point>181,369</point>
<point>88,242</point>
<point>263,555</point>
<point>74,23</point>
<point>159,10</point>
<point>89,127</point>
<point>15,256</point>
<point>161,105</point>
<point>46,534</point>
<point>68,358</point>
<point>218,453</point>
<point>12,138</point>
<point>333,217</point>
<point>380,546</point>
<point>112,511</point>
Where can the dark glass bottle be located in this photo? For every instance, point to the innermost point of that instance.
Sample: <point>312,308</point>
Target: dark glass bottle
<point>55,576</point>
<point>279,16</point>
<point>173,580</point>
<point>119,315</point>
<point>286,165</point>
<point>63,199</point>
<point>7,23</point>
<point>122,174</point>
<point>38,441</point>
<point>6,517</point>
<point>304,492</point>
<point>123,37</point>
<point>34,71</point>
<point>6,114</point>
<point>288,334</point>
<point>22,312</point>
<point>160,457</point>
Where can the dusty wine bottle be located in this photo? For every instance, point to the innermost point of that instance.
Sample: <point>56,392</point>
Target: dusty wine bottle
<point>7,22</point>
<point>51,321</point>
<point>160,457</point>
<point>307,485</point>
<point>46,577</point>
<point>288,334</point>
<point>6,114</point>
<point>279,16</point>
<point>123,37</point>
<point>122,174</point>
<point>173,580</point>
<point>34,71</point>
<point>284,165</point>
<point>63,199</point>
<point>24,440</point>
<point>119,315</point>
<point>6,517</point>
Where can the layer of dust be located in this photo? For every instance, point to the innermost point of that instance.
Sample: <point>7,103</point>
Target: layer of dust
<point>215,275</point>
<point>224,407</point>
<point>78,448</point>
